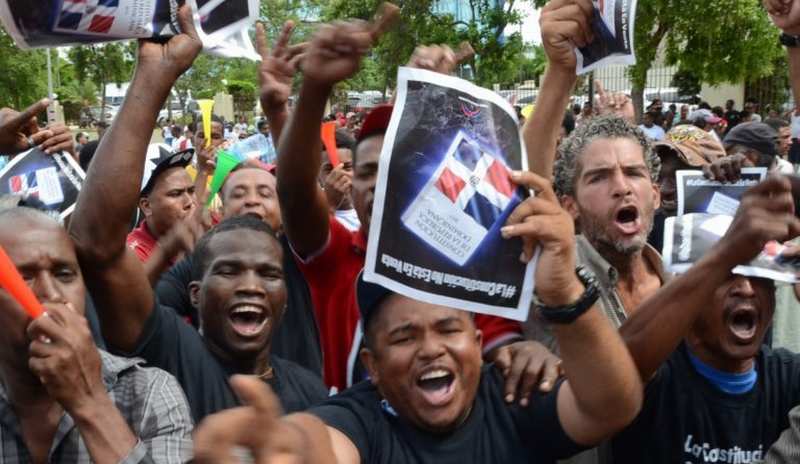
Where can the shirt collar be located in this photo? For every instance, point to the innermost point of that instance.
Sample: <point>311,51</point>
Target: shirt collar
<point>608,274</point>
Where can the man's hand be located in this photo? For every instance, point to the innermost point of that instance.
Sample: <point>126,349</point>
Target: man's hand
<point>338,186</point>
<point>174,57</point>
<point>336,50</point>
<point>16,128</point>
<point>440,58</point>
<point>206,159</point>
<point>64,358</point>
<point>180,240</point>
<point>278,67</point>
<point>526,364</point>
<point>765,213</point>
<point>59,138</point>
<point>256,426</point>
<point>565,25</point>
<point>785,14</point>
<point>725,169</point>
<point>541,221</point>
<point>616,104</point>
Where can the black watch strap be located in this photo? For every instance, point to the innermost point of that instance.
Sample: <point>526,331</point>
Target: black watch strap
<point>791,41</point>
<point>568,313</point>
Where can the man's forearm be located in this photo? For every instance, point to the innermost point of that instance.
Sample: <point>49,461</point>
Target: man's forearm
<point>600,372</point>
<point>111,191</point>
<point>304,206</point>
<point>541,131</point>
<point>277,118</point>
<point>658,325</point>
<point>107,436</point>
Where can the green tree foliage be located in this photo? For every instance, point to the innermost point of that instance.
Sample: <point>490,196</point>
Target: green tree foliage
<point>714,41</point>
<point>244,95</point>
<point>498,58</point>
<point>103,64</point>
<point>24,77</point>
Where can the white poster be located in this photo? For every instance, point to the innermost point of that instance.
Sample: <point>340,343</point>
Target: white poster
<point>444,191</point>
<point>613,25</point>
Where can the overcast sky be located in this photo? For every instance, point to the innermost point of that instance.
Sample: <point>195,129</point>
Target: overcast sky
<point>530,23</point>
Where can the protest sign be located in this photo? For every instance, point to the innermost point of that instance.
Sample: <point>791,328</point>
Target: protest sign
<point>696,194</point>
<point>50,182</point>
<point>443,193</point>
<point>256,146</point>
<point>53,23</point>
<point>613,25</point>
<point>687,238</point>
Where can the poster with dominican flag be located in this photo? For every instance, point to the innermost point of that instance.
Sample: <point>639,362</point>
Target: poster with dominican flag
<point>87,16</point>
<point>444,191</point>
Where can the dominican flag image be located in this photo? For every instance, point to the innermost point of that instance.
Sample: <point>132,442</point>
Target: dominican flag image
<point>23,184</point>
<point>87,16</point>
<point>462,201</point>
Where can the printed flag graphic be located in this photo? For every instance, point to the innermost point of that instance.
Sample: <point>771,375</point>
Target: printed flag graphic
<point>87,16</point>
<point>462,201</point>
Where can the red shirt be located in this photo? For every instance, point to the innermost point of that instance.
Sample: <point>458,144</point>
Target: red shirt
<point>142,241</point>
<point>331,275</point>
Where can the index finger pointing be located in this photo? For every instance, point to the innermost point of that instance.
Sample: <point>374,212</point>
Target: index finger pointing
<point>283,39</point>
<point>386,16</point>
<point>262,46</point>
<point>26,116</point>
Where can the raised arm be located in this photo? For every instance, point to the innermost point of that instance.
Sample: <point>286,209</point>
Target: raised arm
<point>656,328</point>
<point>114,276</point>
<point>565,24</point>
<point>603,391</point>
<point>333,55</point>
<point>275,75</point>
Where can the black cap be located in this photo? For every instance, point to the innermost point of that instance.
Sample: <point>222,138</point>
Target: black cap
<point>160,157</point>
<point>369,296</point>
<point>754,135</point>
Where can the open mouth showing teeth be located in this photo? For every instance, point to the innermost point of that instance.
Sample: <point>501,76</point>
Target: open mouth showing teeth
<point>436,386</point>
<point>248,320</point>
<point>743,323</point>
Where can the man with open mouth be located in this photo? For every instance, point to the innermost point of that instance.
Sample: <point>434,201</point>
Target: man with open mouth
<point>721,396</point>
<point>239,286</point>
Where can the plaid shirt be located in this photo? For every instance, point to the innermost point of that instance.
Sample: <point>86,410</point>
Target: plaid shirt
<point>150,401</point>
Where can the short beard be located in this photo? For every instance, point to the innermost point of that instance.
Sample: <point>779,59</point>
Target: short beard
<point>595,231</point>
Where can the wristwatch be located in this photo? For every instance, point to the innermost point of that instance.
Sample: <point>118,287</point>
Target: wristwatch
<point>568,313</point>
<point>791,41</point>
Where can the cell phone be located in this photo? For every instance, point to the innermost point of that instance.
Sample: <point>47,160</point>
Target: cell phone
<point>52,117</point>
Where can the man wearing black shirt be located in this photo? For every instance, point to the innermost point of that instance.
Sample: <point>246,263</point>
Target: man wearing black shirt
<point>721,396</point>
<point>241,295</point>
<point>250,189</point>
<point>428,399</point>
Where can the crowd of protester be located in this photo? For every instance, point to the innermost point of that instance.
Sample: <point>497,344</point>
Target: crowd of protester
<point>188,324</point>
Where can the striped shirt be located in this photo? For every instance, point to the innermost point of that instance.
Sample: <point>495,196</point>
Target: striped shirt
<point>150,401</point>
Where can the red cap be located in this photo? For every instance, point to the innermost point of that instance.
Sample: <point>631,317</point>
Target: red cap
<point>376,122</point>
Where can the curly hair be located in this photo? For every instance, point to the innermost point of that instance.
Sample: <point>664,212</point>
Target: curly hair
<point>566,167</point>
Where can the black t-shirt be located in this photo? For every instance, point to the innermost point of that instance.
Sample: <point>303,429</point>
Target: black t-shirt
<point>494,431</point>
<point>169,343</point>
<point>686,419</point>
<point>296,338</point>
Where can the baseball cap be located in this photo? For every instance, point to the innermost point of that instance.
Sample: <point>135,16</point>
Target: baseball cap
<point>376,122</point>
<point>369,297</point>
<point>754,135</point>
<point>690,144</point>
<point>705,115</point>
<point>160,157</point>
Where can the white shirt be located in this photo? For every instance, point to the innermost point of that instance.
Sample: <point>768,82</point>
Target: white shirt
<point>654,133</point>
<point>348,218</point>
